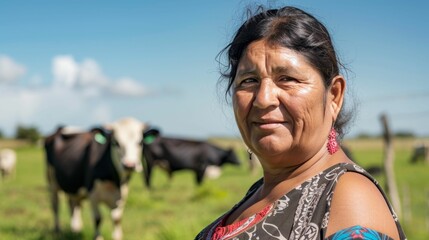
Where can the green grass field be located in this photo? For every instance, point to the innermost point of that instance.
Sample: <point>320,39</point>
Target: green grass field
<point>179,209</point>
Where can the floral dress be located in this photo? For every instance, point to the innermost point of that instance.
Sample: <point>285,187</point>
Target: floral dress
<point>300,214</point>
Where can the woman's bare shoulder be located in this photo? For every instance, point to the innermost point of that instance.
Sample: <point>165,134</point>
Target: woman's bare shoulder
<point>357,201</point>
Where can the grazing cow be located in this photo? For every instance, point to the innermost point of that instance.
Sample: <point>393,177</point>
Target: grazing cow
<point>7,162</point>
<point>421,151</point>
<point>97,165</point>
<point>178,154</point>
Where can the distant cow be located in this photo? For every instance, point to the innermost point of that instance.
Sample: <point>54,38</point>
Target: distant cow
<point>7,162</point>
<point>420,151</point>
<point>94,164</point>
<point>174,154</point>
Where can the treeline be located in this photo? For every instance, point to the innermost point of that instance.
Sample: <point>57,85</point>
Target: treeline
<point>398,134</point>
<point>28,133</point>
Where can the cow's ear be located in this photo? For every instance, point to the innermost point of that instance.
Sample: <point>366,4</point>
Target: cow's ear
<point>151,131</point>
<point>150,135</point>
<point>102,130</point>
<point>149,139</point>
<point>100,134</point>
<point>100,138</point>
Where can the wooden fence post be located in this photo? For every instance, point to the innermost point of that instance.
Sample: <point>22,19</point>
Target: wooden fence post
<point>389,157</point>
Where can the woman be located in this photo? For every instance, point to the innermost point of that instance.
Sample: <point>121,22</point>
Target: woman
<point>287,95</point>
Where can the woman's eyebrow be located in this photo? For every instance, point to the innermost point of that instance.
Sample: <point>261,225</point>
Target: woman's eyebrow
<point>276,70</point>
<point>283,69</point>
<point>246,71</point>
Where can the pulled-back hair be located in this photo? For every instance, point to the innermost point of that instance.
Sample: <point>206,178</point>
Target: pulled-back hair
<point>291,28</point>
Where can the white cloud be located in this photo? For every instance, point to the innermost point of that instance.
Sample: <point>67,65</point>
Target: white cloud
<point>35,81</point>
<point>29,102</point>
<point>44,107</point>
<point>74,96</point>
<point>65,71</point>
<point>10,71</point>
<point>91,75</point>
<point>127,87</point>
<point>88,77</point>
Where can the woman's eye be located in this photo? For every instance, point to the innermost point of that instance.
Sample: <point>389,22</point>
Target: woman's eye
<point>245,83</point>
<point>288,79</point>
<point>248,81</point>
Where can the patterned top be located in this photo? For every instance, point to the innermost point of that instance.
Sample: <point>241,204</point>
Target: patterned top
<point>302,213</point>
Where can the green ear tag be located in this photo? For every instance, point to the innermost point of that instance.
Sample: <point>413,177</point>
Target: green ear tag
<point>149,139</point>
<point>100,138</point>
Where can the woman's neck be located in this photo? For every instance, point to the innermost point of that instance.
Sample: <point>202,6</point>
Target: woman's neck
<point>282,179</point>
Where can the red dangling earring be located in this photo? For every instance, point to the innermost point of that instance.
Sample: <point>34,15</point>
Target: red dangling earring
<point>332,142</point>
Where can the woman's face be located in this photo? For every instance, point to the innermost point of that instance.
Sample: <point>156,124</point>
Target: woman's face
<point>279,103</point>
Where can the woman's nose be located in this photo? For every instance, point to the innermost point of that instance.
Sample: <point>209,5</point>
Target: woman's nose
<point>266,94</point>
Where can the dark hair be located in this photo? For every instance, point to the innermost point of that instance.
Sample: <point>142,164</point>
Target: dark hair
<point>292,28</point>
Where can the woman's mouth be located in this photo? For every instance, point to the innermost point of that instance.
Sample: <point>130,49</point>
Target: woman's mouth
<point>269,124</point>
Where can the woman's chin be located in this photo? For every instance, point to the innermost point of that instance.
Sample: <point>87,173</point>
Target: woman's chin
<point>271,145</point>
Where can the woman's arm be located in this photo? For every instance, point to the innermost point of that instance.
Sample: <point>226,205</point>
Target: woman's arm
<point>357,202</point>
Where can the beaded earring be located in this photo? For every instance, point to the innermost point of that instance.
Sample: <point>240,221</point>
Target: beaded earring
<point>332,142</point>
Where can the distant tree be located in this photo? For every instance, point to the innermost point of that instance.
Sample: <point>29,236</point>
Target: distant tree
<point>404,134</point>
<point>31,134</point>
<point>364,135</point>
<point>1,134</point>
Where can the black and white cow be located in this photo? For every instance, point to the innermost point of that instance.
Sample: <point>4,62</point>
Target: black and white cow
<point>175,154</point>
<point>94,164</point>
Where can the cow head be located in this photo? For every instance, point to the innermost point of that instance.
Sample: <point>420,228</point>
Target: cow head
<point>126,139</point>
<point>230,157</point>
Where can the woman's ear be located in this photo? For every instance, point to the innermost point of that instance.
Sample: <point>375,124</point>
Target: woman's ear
<point>336,95</point>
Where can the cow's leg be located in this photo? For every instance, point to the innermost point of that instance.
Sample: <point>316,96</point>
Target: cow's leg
<point>75,212</point>
<point>53,190</point>
<point>96,215</point>
<point>413,158</point>
<point>107,192</point>
<point>115,198</point>
<point>426,154</point>
<point>117,212</point>
<point>200,175</point>
<point>170,176</point>
<point>148,173</point>
<point>95,198</point>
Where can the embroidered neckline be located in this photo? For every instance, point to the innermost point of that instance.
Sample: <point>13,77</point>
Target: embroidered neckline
<point>222,231</point>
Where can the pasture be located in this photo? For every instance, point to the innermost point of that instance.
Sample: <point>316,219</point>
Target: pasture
<point>179,209</point>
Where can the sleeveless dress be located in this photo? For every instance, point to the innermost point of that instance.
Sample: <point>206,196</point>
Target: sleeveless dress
<point>300,214</point>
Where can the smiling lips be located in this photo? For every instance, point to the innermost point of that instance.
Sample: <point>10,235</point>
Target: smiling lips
<point>269,123</point>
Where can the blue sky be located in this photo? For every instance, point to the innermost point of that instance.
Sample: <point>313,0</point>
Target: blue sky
<point>89,62</point>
